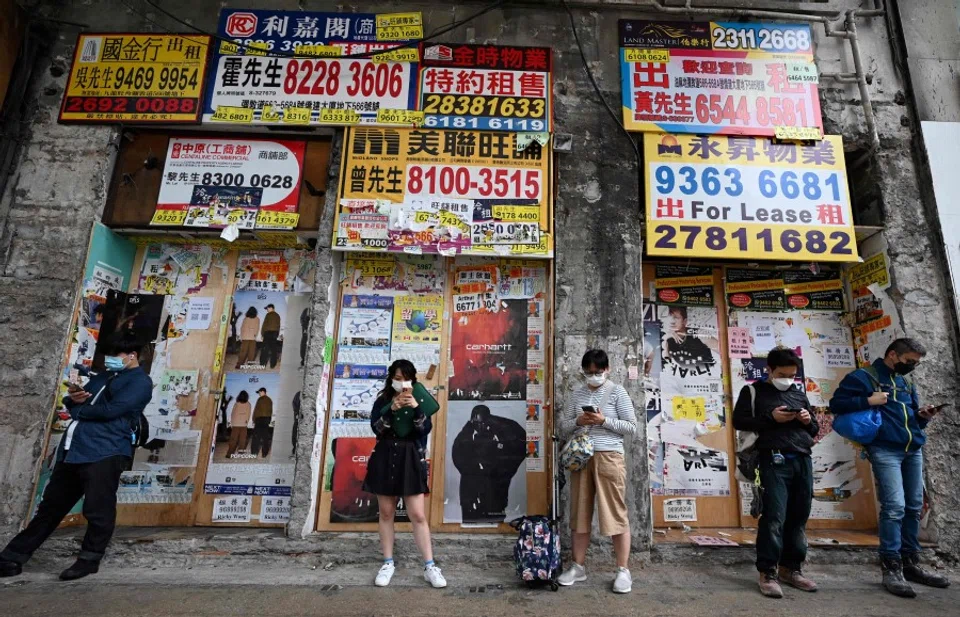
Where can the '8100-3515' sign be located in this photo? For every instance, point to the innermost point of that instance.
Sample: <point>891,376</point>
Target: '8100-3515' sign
<point>747,198</point>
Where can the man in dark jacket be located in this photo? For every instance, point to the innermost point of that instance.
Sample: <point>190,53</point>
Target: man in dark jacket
<point>96,449</point>
<point>779,412</point>
<point>270,331</point>
<point>896,457</point>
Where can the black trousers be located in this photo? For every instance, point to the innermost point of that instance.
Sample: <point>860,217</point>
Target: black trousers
<point>97,483</point>
<point>787,492</point>
<point>269,354</point>
<point>262,437</point>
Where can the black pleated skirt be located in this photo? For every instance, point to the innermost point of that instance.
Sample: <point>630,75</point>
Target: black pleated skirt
<point>397,467</point>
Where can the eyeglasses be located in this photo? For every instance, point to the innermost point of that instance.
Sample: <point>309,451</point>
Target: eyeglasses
<point>592,374</point>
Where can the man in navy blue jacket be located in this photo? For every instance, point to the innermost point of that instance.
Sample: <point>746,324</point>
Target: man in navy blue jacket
<point>96,449</point>
<point>896,457</point>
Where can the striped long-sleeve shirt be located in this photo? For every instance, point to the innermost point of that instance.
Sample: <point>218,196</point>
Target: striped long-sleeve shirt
<point>620,419</point>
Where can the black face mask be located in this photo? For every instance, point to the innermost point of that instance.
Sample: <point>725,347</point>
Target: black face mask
<point>903,368</point>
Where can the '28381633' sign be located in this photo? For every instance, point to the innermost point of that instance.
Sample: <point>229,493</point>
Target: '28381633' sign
<point>747,198</point>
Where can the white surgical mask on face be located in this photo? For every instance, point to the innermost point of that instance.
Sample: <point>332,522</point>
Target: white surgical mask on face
<point>595,381</point>
<point>399,386</point>
<point>782,383</point>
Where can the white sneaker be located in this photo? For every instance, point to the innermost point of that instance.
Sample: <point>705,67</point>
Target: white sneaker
<point>574,574</point>
<point>385,575</point>
<point>624,581</point>
<point>433,576</point>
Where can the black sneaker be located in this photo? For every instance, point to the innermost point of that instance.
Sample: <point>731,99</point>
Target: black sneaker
<point>79,570</point>
<point>914,572</point>
<point>10,568</point>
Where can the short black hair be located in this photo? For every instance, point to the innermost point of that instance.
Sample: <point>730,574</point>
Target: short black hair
<point>124,343</point>
<point>264,390</point>
<point>679,310</point>
<point>906,345</point>
<point>270,306</point>
<point>781,356</point>
<point>597,358</point>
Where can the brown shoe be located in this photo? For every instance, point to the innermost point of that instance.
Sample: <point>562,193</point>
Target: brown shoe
<point>795,579</point>
<point>769,585</point>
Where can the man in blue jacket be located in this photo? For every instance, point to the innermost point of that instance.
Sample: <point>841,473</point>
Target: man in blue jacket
<point>95,450</point>
<point>896,457</point>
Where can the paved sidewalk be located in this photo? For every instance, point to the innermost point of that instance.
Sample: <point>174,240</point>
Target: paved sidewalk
<point>661,591</point>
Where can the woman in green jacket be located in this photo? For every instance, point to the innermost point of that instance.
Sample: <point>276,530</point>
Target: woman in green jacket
<point>398,468</point>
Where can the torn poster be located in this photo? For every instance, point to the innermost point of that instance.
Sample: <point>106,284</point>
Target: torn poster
<point>695,471</point>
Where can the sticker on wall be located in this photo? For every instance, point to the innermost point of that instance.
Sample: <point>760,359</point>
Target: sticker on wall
<point>681,510</point>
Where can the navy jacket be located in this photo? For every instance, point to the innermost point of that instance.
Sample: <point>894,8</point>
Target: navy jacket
<point>105,428</point>
<point>792,436</point>
<point>901,426</point>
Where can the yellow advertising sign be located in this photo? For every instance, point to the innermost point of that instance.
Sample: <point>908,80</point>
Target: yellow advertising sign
<point>690,408</point>
<point>339,116</point>
<point>272,219</point>
<point>320,51</point>
<point>136,78</point>
<point>169,217</point>
<point>236,115</point>
<point>407,54</point>
<point>872,270</point>
<point>747,198</point>
<point>647,55</point>
<point>399,26</point>
<point>296,115</point>
<point>451,191</point>
<point>400,116</point>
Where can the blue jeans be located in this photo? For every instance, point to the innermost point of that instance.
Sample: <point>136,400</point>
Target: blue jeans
<point>899,476</point>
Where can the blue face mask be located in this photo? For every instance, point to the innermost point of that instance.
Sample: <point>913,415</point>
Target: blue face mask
<point>114,363</point>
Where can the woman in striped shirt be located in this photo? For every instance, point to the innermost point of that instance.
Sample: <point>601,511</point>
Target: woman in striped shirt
<point>605,411</point>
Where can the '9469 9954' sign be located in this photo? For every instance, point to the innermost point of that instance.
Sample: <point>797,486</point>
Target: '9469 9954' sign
<point>747,197</point>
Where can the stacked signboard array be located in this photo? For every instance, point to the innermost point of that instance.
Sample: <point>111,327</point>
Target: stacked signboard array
<point>454,122</point>
<point>736,167</point>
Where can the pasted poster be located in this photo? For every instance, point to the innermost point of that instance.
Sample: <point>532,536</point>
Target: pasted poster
<point>755,290</point>
<point>138,78</point>
<point>488,351</point>
<point>417,274</point>
<point>318,86</point>
<point>747,198</point>
<point>178,268</point>
<point>261,325</point>
<point>719,77</point>
<point>821,290</point>
<point>355,389</point>
<point>349,503</point>
<point>256,430</point>
<point>417,325</point>
<point>485,476</point>
<point>214,182</point>
<point>487,87</point>
<point>695,470</point>
<point>366,323</point>
<point>411,190</point>
<point>684,285</point>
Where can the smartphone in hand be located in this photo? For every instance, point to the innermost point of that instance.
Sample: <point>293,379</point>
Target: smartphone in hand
<point>72,387</point>
<point>589,409</point>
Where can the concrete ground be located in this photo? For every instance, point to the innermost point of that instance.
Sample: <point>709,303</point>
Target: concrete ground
<point>659,590</point>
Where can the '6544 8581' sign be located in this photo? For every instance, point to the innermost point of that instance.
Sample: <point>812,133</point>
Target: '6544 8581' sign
<point>747,198</point>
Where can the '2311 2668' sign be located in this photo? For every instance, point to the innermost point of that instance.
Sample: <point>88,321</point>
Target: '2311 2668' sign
<point>747,198</point>
<point>293,67</point>
<point>727,78</point>
<point>136,78</point>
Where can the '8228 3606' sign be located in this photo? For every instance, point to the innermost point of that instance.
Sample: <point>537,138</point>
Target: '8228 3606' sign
<point>300,68</point>
<point>747,198</point>
<point>718,77</point>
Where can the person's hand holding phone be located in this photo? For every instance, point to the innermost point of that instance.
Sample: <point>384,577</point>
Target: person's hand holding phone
<point>804,417</point>
<point>591,416</point>
<point>927,412</point>
<point>782,415</point>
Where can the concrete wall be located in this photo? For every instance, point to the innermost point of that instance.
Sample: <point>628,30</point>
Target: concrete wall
<point>59,191</point>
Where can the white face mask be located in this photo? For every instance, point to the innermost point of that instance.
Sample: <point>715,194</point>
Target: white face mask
<point>782,383</point>
<point>595,381</point>
<point>400,386</point>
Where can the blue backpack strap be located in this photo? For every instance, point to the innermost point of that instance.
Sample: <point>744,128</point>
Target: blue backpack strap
<point>874,376</point>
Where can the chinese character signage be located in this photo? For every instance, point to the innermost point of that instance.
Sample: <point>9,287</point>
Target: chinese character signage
<point>213,183</point>
<point>443,191</point>
<point>487,87</point>
<point>747,198</point>
<point>726,78</point>
<point>136,78</point>
<point>257,81</point>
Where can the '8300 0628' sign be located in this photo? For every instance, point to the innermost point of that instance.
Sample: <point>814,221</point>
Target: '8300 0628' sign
<point>747,198</point>
<point>136,78</point>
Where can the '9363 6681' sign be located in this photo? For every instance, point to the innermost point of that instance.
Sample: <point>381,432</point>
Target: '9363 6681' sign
<point>747,197</point>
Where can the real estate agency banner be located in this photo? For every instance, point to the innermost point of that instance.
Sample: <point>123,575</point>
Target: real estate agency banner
<point>295,68</point>
<point>216,182</point>
<point>717,77</point>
